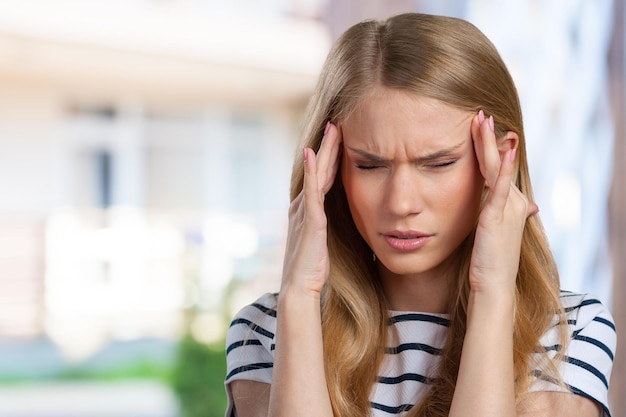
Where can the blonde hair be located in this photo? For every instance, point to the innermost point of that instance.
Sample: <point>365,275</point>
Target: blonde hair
<point>449,60</point>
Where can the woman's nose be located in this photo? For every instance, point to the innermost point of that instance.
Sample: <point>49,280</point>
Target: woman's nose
<point>403,193</point>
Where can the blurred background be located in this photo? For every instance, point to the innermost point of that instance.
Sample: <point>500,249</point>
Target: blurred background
<point>145,156</point>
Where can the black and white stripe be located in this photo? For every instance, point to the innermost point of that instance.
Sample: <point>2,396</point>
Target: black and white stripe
<point>587,364</point>
<point>414,349</point>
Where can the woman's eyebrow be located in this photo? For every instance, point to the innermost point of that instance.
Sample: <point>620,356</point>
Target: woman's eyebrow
<point>433,156</point>
<point>367,155</point>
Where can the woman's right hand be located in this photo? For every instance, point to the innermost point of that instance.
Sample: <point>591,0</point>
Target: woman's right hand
<point>306,265</point>
<point>299,352</point>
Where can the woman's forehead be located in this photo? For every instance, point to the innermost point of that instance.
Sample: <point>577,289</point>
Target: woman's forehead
<point>391,113</point>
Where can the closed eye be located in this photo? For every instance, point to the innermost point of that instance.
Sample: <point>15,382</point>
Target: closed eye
<point>367,167</point>
<point>441,164</point>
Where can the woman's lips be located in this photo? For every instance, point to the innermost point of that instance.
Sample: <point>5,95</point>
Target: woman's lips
<point>406,241</point>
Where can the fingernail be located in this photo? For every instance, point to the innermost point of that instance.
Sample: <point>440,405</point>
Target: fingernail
<point>327,127</point>
<point>304,153</point>
<point>491,124</point>
<point>512,155</point>
<point>481,116</point>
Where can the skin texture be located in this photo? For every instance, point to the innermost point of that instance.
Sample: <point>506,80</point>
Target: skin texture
<point>409,165</point>
<point>392,185</point>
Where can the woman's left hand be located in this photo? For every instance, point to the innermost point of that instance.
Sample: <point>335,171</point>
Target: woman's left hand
<point>490,390</point>
<point>495,256</point>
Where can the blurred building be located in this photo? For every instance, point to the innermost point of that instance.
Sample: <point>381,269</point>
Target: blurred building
<point>146,149</point>
<point>133,135</point>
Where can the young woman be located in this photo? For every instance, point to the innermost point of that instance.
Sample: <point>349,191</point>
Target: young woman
<point>417,278</point>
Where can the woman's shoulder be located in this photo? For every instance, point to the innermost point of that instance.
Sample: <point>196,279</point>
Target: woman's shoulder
<point>263,306</point>
<point>586,364</point>
<point>583,310</point>
<point>250,344</point>
<point>255,320</point>
<point>250,340</point>
<point>588,359</point>
<point>591,327</point>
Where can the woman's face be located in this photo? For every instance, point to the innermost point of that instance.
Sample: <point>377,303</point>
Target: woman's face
<point>411,178</point>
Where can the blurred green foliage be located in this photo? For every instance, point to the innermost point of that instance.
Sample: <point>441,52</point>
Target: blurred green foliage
<point>127,370</point>
<point>195,372</point>
<point>198,378</point>
<point>143,369</point>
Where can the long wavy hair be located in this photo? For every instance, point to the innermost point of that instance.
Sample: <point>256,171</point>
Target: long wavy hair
<point>450,60</point>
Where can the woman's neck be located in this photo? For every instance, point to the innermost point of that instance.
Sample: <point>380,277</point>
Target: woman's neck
<point>426,293</point>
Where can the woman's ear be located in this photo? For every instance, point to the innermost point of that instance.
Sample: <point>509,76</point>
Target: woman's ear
<point>508,142</point>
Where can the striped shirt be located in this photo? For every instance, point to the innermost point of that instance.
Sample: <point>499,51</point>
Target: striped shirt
<point>412,354</point>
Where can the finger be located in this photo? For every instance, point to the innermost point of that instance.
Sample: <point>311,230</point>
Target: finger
<point>506,175</point>
<point>312,213</point>
<point>322,153</point>
<point>486,148</point>
<point>335,152</point>
<point>327,157</point>
<point>478,140</point>
<point>503,183</point>
<point>310,186</point>
<point>532,209</point>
